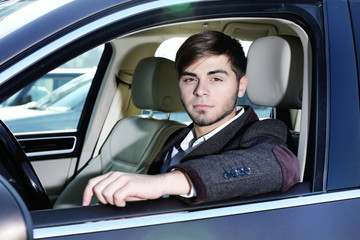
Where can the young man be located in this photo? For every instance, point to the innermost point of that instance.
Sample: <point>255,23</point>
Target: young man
<point>226,152</point>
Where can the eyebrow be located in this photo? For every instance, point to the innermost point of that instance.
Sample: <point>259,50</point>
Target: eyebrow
<point>209,73</point>
<point>189,74</point>
<point>218,71</point>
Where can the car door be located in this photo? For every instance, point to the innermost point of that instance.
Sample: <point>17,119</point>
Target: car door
<point>306,211</point>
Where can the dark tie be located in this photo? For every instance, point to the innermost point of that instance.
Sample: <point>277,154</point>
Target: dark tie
<point>173,161</point>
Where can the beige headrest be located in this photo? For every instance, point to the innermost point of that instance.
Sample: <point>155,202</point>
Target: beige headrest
<point>155,85</point>
<point>275,72</point>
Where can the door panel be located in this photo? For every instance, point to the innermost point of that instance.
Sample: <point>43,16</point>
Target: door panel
<point>53,159</point>
<point>61,171</point>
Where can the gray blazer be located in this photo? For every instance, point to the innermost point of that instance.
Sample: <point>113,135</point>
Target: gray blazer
<point>247,157</point>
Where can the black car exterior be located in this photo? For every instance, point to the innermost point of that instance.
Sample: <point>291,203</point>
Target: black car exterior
<point>324,206</point>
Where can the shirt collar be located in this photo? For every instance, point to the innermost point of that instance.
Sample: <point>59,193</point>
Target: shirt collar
<point>190,142</point>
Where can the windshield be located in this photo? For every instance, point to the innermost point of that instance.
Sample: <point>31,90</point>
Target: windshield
<point>16,13</point>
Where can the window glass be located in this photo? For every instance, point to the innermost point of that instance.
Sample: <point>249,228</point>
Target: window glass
<point>54,101</point>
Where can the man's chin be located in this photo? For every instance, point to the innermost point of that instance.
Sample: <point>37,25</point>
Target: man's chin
<point>201,119</point>
<point>203,122</point>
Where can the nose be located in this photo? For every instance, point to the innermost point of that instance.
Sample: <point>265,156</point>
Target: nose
<point>201,89</point>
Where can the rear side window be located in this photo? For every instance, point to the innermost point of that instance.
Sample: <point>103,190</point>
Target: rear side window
<point>55,101</point>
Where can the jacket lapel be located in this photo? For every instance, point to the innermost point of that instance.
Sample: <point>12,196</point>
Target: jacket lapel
<point>215,145</point>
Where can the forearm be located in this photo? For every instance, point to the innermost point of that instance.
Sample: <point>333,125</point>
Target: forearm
<point>117,188</point>
<point>175,183</point>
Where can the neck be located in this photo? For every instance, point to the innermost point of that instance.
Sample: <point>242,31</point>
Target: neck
<point>203,130</point>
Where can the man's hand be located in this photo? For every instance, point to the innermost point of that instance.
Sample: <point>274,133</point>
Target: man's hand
<point>117,188</point>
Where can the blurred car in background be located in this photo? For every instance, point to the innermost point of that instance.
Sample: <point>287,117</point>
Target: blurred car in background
<point>43,86</point>
<point>58,110</point>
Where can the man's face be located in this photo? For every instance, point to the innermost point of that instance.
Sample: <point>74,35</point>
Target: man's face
<point>209,90</point>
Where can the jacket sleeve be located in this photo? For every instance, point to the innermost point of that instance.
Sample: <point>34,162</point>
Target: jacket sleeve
<point>260,163</point>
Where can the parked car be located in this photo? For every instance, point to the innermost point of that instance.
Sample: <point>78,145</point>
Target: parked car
<point>43,86</point>
<point>38,168</point>
<point>59,110</point>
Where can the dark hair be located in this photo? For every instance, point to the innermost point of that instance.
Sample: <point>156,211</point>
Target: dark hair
<point>211,43</point>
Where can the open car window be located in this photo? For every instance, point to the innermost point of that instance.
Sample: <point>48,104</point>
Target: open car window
<point>55,101</point>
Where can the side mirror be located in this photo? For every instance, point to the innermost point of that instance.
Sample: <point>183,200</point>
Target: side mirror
<point>15,220</point>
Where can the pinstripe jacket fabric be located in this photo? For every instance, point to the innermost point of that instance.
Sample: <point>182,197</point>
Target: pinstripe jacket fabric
<point>246,158</point>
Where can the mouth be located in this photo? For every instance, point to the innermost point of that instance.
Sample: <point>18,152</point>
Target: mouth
<point>201,107</point>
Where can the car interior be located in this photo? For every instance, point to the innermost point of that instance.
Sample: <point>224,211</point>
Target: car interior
<point>279,85</point>
<point>137,78</point>
<point>154,87</point>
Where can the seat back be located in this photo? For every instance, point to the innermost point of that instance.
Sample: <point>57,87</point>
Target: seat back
<point>275,74</point>
<point>135,141</point>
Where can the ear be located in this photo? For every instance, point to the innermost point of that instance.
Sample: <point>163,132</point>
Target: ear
<point>242,86</point>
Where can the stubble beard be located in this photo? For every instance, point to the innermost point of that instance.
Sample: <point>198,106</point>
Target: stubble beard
<point>202,119</point>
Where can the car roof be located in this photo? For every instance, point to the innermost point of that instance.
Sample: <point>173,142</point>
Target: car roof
<point>43,19</point>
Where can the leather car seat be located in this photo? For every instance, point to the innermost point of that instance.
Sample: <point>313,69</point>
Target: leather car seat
<point>134,141</point>
<point>275,74</point>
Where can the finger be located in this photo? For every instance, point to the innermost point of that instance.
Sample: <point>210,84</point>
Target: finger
<point>138,187</point>
<point>120,196</point>
<point>134,199</point>
<point>110,189</point>
<point>104,190</point>
<point>89,189</point>
<point>116,191</point>
<point>128,193</point>
<point>122,202</point>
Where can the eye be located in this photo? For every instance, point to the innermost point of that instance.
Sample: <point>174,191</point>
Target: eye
<point>216,79</point>
<point>188,79</point>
